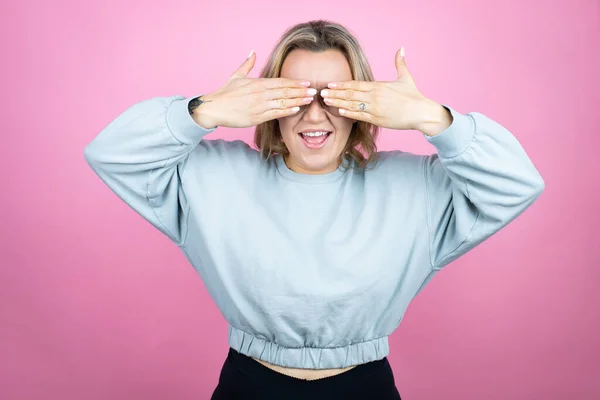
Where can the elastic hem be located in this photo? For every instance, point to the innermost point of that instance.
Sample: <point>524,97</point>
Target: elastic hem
<point>261,373</point>
<point>308,357</point>
<point>455,139</point>
<point>181,124</point>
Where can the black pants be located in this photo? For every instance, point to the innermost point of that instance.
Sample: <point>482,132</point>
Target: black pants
<point>244,378</point>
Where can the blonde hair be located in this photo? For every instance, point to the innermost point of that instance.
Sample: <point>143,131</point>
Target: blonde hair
<point>319,36</point>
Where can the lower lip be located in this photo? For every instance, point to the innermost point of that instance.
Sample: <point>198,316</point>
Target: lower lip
<point>315,145</point>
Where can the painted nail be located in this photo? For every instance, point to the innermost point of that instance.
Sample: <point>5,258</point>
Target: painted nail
<point>251,52</point>
<point>401,51</point>
<point>307,99</point>
<point>312,91</point>
<point>324,92</point>
<point>305,83</point>
<point>332,85</point>
<point>295,109</point>
<point>328,100</point>
<point>342,111</point>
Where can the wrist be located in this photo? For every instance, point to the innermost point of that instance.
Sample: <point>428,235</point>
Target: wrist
<point>200,110</point>
<point>434,118</point>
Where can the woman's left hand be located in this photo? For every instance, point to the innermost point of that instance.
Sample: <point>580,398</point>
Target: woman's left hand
<point>394,105</point>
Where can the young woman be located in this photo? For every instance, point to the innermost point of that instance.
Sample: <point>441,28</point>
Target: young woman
<point>313,245</point>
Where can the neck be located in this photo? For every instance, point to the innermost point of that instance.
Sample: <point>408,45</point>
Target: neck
<point>294,167</point>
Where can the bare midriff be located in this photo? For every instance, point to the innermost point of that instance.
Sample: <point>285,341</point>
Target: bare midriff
<point>306,374</point>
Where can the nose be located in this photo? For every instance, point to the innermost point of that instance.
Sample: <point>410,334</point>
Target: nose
<point>315,111</point>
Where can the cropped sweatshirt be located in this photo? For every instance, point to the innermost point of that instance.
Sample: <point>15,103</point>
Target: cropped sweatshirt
<point>313,271</point>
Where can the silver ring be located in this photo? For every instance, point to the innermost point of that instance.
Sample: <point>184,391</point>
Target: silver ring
<point>362,106</point>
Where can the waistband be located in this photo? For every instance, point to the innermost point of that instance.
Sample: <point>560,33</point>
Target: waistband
<point>308,357</point>
<point>264,375</point>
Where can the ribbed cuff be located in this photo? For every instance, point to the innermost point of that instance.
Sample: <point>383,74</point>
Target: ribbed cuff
<point>182,125</point>
<point>457,137</point>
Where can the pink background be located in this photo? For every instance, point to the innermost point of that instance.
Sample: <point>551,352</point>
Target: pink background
<point>97,304</point>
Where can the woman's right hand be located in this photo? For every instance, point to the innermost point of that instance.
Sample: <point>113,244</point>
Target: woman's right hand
<point>243,102</point>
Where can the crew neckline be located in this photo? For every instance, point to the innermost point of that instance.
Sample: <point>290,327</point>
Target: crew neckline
<point>309,178</point>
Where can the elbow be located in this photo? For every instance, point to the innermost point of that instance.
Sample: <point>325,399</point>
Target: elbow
<point>537,187</point>
<point>541,185</point>
<point>92,155</point>
<point>89,153</point>
<point>519,202</point>
<point>533,191</point>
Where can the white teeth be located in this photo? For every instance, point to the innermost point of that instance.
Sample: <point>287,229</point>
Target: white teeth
<point>315,133</point>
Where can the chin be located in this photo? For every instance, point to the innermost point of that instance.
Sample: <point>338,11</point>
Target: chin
<point>319,164</point>
<point>318,157</point>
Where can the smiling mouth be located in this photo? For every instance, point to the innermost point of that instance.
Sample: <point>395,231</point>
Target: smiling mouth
<point>315,140</point>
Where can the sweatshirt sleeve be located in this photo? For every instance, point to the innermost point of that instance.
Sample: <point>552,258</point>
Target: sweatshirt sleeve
<point>141,156</point>
<point>480,180</point>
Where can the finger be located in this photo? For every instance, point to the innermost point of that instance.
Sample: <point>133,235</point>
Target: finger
<point>246,66</point>
<point>358,115</point>
<point>286,103</point>
<point>345,94</point>
<point>277,113</point>
<point>276,83</point>
<point>400,60</point>
<point>363,86</point>
<point>401,66</point>
<point>288,93</point>
<point>350,105</point>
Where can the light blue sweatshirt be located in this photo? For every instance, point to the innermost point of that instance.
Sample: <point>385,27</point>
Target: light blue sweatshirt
<point>313,271</point>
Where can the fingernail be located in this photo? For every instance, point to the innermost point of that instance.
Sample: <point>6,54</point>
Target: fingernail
<point>305,83</point>
<point>324,92</point>
<point>401,51</point>
<point>251,52</point>
<point>331,85</point>
<point>312,91</point>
